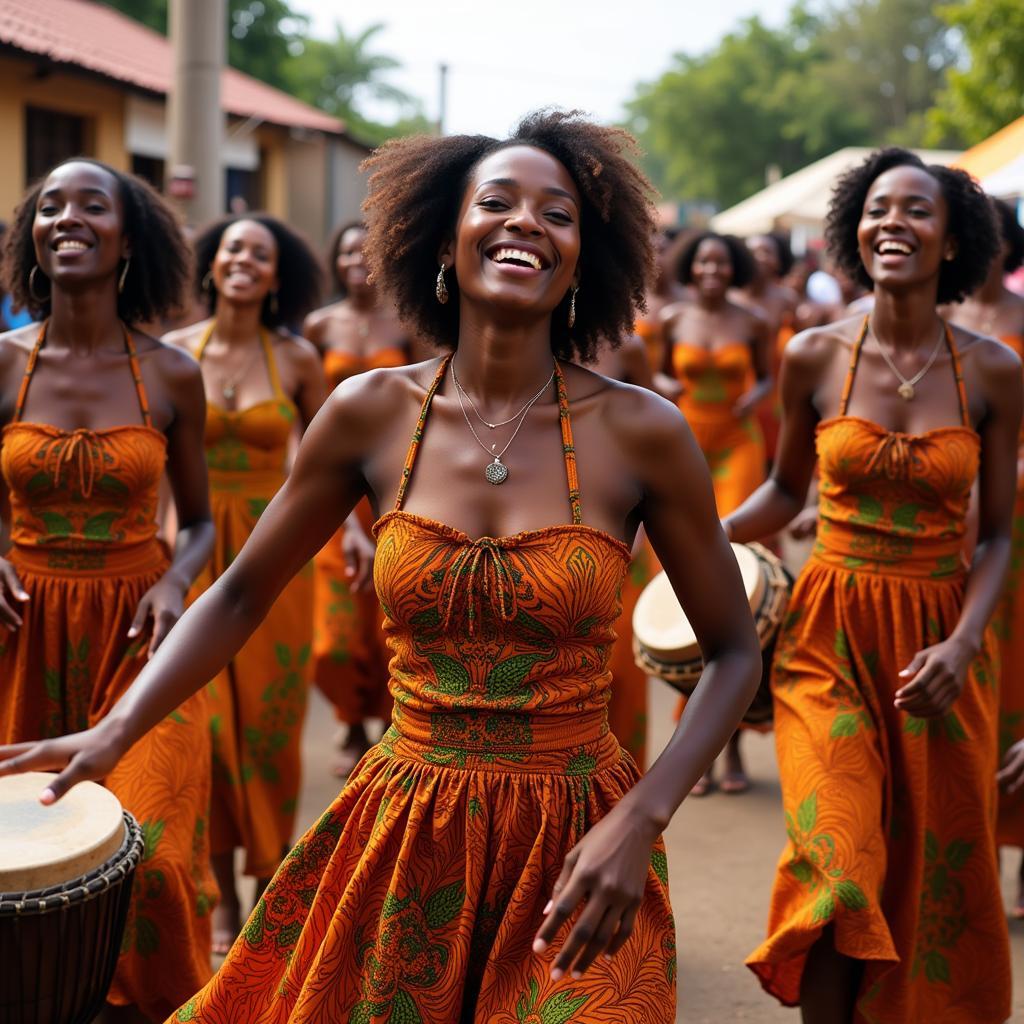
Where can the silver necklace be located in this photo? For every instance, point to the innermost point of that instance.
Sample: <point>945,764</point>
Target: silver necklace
<point>501,423</point>
<point>496,471</point>
<point>229,386</point>
<point>906,388</point>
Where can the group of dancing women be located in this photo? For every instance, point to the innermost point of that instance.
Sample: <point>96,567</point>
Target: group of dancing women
<point>191,525</point>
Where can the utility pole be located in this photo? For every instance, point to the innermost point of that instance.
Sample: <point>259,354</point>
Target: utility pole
<point>442,98</point>
<point>198,31</point>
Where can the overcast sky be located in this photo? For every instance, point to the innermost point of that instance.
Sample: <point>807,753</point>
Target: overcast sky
<point>506,59</point>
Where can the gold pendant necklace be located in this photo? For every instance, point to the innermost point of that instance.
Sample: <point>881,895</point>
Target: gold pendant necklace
<point>906,387</point>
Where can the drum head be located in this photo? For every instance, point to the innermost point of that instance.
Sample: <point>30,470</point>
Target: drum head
<point>44,846</point>
<point>660,625</point>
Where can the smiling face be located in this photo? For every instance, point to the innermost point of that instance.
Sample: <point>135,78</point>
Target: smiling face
<point>711,270</point>
<point>245,264</point>
<point>349,262</point>
<point>902,234</point>
<point>517,238</point>
<point>78,228</point>
<point>766,255</point>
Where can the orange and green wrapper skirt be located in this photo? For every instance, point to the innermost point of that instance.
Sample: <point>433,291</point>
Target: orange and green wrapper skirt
<point>62,671</point>
<point>889,817</point>
<point>350,656</point>
<point>258,702</point>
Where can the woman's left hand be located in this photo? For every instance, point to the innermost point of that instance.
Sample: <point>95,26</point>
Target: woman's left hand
<point>164,603</point>
<point>606,871</point>
<point>934,679</point>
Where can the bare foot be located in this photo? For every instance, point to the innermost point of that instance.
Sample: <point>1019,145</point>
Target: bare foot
<point>227,923</point>
<point>735,780</point>
<point>704,785</point>
<point>351,751</point>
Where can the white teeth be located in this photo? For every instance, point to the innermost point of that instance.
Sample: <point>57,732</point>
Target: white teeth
<point>895,247</point>
<point>72,244</point>
<point>517,254</point>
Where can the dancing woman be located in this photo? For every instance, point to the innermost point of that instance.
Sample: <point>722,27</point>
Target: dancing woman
<point>886,904</point>
<point>497,841</point>
<point>357,333</point>
<point>262,382</point>
<point>95,411</point>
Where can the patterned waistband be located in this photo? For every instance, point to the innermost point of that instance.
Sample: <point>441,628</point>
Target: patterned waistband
<point>504,741</point>
<point>248,482</point>
<point>891,555</point>
<point>134,560</point>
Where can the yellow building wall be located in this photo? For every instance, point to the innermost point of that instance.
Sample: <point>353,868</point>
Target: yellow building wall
<point>273,143</point>
<point>74,94</point>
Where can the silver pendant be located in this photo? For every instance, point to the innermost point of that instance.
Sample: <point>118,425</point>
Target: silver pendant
<point>228,391</point>
<point>906,391</point>
<point>496,471</point>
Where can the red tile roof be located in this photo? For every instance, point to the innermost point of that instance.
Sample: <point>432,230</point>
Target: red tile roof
<point>90,35</point>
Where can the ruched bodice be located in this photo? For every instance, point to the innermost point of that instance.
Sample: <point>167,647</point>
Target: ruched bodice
<point>713,379</point>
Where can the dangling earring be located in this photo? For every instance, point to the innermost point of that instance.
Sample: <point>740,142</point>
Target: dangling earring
<point>207,282</point>
<point>32,285</point>
<point>572,306</point>
<point>273,304</point>
<point>441,289</point>
<point>124,275</point>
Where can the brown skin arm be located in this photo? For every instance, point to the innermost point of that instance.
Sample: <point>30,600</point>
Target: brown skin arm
<point>633,356</point>
<point>608,868</point>
<point>760,341</point>
<point>936,675</point>
<point>164,602</point>
<point>781,497</point>
<point>665,382</point>
<point>309,372</point>
<point>323,487</point>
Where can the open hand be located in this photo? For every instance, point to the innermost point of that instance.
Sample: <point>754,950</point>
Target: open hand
<point>1011,775</point>
<point>164,603</point>
<point>608,870</point>
<point>79,757</point>
<point>934,679</point>
<point>359,551</point>
<point>12,594</point>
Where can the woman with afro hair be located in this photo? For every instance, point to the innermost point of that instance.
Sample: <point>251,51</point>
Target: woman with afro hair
<point>262,382</point>
<point>886,905</point>
<point>95,412</point>
<point>993,310</point>
<point>495,858</point>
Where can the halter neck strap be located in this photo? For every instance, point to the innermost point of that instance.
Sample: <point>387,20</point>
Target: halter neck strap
<point>568,448</point>
<point>133,362</point>
<point>268,357</point>
<point>954,355</point>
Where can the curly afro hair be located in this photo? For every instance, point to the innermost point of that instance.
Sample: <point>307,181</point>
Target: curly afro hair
<point>299,274</point>
<point>739,256</point>
<point>971,221</point>
<point>783,252</point>
<point>416,189</point>
<point>157,280</point>
<point>331,252</point>
<point>1012,234</point>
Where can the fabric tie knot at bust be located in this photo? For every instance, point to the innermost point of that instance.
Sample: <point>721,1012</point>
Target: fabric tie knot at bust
<point>482,572</point>
<point>892,457</point>
<point>80,444</point>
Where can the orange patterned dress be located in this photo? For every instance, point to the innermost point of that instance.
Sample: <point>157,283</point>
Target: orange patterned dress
<point>889,816</point>
<point>83,525</point>
<point>713,381</point>
<point>350,657</point>
<point>258,702</point>
<point>417,895</point>
<point>1008,623</point>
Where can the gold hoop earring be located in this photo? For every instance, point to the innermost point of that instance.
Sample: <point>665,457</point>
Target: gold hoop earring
<point>124,275</point>
<point>440,288</point>
<point>572,307</point>
<point>32,285</point>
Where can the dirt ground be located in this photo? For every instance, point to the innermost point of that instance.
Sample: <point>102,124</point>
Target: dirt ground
<point>722,852</point>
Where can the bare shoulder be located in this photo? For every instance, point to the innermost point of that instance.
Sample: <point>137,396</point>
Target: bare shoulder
<point>814,350</point>
<point>993,360</point>
<point>298,350</point>
<point>318,316</point>
<point>375,399</point>
<point>176,365</point>
<point>17,344</point>
<point>672,310</point>
<point>187,338</point>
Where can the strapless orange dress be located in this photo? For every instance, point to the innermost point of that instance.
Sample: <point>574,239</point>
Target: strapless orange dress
<point>889,817</point>
<point>350,657</point>
<point>1008,623</point>
<point>83,509</point>
<point>258,702</point>
<point>417,895</point>
<point>713,381</point>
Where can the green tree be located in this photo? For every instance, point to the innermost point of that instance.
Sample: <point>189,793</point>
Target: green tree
<point>988,91</point>
<point>343,76</point>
